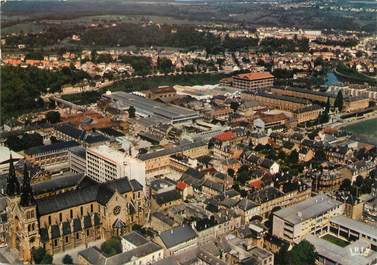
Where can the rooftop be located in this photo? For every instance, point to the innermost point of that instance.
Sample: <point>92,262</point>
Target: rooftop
<point>367,229</point>
<point>358,252</point>
<point>307,209</point>
<point>147,107</point>
<point>177,235</point>
<point>255,76</point>
<point>51,147</point>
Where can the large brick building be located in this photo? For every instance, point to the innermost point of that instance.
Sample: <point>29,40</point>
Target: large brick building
<point>253,81</point>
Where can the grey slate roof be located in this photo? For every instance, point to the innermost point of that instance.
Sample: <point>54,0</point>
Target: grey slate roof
<point>57,183</point>
<point>96,192</point>
<point>167,196</point>
<point>170,151</point>
<point>135,238</point>
<point>177,235</point>
<point>51,147</point>
<point>94,256</point>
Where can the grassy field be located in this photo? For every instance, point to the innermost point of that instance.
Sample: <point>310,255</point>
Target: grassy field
<point>335,240</point>
<point>366,128</point>
<point>24,27</point>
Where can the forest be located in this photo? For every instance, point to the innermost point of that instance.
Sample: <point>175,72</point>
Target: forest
<point>22,88</point>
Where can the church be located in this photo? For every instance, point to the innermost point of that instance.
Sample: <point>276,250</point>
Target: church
<point>67,219</point>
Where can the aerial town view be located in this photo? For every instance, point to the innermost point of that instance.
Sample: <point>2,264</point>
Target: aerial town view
<point>188,132</point>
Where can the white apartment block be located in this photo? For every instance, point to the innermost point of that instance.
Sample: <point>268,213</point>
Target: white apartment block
<point>104,163</point>
<point>311,216</point>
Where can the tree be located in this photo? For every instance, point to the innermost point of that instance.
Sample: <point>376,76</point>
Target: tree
<point>131,112</point>
<point>40,256</point>
<point>293,157</point>
<point>230,172</point>
<point>339,101</point>
<point>302,254</point>
<point>112,246</point>
<point>359,181</point>
<point>328,105</point>
<point>346,185</point>
<point>165,65</point>
<point>234,105</point>
<point>281,257</point>
<point>53,116</point>
<point>47,259</point>
<point>67,259</point>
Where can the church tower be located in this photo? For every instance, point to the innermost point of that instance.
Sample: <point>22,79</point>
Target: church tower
<point>23,230</point>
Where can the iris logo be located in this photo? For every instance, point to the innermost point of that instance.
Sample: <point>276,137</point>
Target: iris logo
<point>359,251</point>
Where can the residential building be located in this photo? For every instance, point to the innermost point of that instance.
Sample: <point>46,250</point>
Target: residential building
<point>311,216</point>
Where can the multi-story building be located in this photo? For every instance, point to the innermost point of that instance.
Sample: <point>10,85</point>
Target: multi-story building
<point>270,198</point>
<point>311,216</point>
<point>73,218</point>
<point>77,160</point>
<point>304,94</point>
<point>351,103</point>
<point>158,162</point>
<point>355,103</point>
<point>276,101</point>
<point>47,156</point>
<point>136,250</point>
<point>104,163</point>
<point>352,230</point>
<point>164,93</point>
<point>307,113</point>
<point>253,81</point>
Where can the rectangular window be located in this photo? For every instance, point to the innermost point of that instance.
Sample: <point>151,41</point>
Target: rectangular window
<point>82,210</point>
<point>60,217</point>
<point>71,213</point>
<point>49,220</point>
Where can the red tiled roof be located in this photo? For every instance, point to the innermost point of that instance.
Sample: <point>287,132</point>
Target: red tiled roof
<point>225,136</point>
<point>257,183</point>
<point>255,76</point>
<point>181,185</point>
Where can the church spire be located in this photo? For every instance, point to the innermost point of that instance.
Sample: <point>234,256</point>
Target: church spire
<point>27,198</point>
<point>13,187</point>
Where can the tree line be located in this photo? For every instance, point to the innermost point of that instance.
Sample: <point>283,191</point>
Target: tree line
<point>22,87</point>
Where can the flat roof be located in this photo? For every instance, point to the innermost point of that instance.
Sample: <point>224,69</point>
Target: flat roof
<point>147,107</point>
<point>307,209</point>
<point>366,229</point>
<point>107,153</point>
<point>346,255</point>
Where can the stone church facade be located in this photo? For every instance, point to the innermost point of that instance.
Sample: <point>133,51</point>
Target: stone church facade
<point>62,221</point>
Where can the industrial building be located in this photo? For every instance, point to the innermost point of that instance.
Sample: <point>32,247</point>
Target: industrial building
<point>144,107</point>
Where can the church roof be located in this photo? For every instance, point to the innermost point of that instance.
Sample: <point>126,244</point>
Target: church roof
<point>99,192</point>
